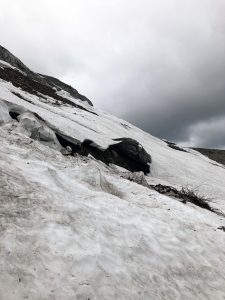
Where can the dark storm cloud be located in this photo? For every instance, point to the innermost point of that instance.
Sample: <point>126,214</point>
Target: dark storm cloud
<point>159,64</point>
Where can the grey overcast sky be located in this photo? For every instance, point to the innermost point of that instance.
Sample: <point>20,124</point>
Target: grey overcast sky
<point>159,64</point>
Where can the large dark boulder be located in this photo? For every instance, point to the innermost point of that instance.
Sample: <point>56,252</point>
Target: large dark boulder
<point>130,155</point>
<point>132,149</point>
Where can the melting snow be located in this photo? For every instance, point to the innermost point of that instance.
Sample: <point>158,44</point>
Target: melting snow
<point>73,228</point>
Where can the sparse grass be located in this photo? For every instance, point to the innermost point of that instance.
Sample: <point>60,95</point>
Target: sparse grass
<point>174,146</point>
<point>186,194</point>
<point>194,197</point>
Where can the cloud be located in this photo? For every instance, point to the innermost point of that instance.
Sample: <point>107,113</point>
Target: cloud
<point>210,132</point>
<point>159,64</point>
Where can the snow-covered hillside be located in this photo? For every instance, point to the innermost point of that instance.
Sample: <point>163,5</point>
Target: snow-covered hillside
<point>76,223</point>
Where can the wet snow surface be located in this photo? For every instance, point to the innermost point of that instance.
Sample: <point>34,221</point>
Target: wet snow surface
<point>73,228</point>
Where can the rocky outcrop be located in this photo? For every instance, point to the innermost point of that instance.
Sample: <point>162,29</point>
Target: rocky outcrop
<point>57,84</point>
<point>35,83</point>
<point>132,149</point>
<point>36,87</point>
<point>8,57</point>
<point>127,153</point>
<point>174,146</point>
<point>124,152</point>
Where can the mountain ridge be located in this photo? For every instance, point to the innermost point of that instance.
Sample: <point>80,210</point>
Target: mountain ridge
<point>43,80</point>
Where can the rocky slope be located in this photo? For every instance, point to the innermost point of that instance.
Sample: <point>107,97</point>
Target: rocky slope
<point>34,83</point>
<point>92,207</point>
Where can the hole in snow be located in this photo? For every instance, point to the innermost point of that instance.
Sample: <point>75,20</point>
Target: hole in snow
<point>14,115</point>
<point>65,142</point>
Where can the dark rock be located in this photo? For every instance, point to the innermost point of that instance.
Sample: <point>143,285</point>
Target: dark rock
<point>35,83</point>
<point>167,190</point>
<point>117,154</point>
<point>128,153</point>
<point>185,195</point>
<point>132,149</point>
<point>73,92</point>
<point>174,146</point>
<point>8,57</point>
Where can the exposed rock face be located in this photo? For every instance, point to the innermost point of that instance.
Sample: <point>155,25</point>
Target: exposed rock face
<point>69,89</point>
<point>35,83</point>
<point>132,149</point>
<point>128,154</point>
<point>36,86</point>
<point>12,60</point>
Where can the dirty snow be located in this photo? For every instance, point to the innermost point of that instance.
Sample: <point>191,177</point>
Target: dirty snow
<point>73,228</point>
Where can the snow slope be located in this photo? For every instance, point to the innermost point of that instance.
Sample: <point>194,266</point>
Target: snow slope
<point>173,167</point>
<point>74,228</point>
